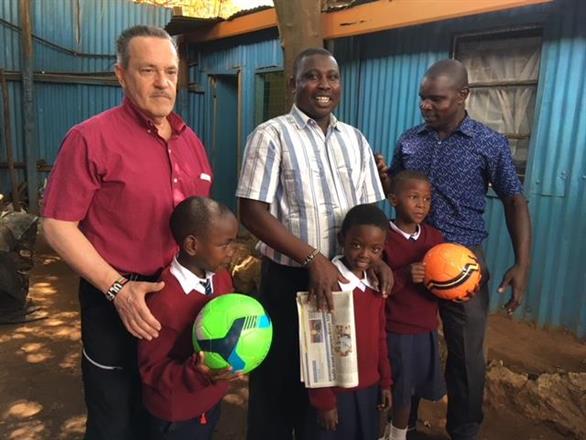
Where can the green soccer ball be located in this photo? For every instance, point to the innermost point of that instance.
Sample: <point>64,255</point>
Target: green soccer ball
<point>233,330</point>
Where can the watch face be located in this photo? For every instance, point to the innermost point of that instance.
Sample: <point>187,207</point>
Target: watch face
<point>343,340</point>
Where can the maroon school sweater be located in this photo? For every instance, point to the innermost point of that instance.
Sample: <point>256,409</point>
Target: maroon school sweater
<point>411,308</point>
<point>173,390</point>
<point>371,342</point>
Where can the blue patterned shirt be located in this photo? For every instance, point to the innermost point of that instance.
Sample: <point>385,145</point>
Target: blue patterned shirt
<point>460,168</point>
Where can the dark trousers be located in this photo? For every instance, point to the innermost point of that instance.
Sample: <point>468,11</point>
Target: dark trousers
<point>358,417</point>
<point>278,400</point>
<point>194,429</point>
<point>464,329</point>
<point>111,380</point>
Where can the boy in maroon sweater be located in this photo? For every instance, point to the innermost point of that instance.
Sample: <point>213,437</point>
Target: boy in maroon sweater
<point>180,393</point>
<point>351,413</point>
<point>411,309</point>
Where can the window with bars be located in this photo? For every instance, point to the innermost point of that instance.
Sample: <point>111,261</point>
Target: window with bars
<point>270,95</point>
<point>503,70</point>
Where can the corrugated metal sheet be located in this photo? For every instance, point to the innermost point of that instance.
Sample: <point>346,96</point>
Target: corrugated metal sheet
<point>247,56</point>
<point>81,102</point>
<point>9,37</point>
<point>64,28</point>
<point>84,26</point>
<point>391,66</point>
<point>558,173</point>
<point>381,75</point>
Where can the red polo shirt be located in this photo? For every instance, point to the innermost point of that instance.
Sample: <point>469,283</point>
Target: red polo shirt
<point>121,180</point>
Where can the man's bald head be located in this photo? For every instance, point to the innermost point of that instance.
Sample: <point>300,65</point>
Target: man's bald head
<point>443,94</point>
<point>452,69</point>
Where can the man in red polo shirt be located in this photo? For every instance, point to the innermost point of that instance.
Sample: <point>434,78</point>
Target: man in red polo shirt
<point>106,212</point>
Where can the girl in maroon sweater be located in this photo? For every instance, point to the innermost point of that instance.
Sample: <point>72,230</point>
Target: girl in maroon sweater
<point>351,413</point>
<point>181,395</point>
<point>411,309</point>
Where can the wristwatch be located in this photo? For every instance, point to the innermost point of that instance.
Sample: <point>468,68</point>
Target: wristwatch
<point>115,288</point>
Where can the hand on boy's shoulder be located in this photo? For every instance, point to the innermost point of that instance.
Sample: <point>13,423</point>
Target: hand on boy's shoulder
<point>133,310</point>
<point>381,277</point>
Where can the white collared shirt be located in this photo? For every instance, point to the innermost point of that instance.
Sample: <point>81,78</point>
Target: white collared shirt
<point>309,179</point>
<point>353,280</point>
<point>413,236</point>
<point>188,280</point>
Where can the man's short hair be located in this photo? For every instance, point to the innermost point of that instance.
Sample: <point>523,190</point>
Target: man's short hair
<point>123,41</point>
<point>307,53</point>
<point>452,69</point>
<point>398,180</point>
<point>364,215</point>
<point>194,216</point>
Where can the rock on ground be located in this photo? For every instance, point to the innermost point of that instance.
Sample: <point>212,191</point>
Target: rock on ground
<point>558,399</point>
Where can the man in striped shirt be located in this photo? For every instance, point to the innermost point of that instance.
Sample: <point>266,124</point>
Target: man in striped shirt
<point>301,173</point>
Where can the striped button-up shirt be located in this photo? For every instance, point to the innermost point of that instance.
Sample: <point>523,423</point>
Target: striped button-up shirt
<point>310,180</point>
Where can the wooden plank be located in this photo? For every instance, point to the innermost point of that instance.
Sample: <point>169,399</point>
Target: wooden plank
<point>66,78</point>
<point>245,24</point>
<point>503,83</point>
<point>364,19</point>
<point>28,108</point>
<point>384,15</point>
<point>42,166</point>
<point>8,142</point>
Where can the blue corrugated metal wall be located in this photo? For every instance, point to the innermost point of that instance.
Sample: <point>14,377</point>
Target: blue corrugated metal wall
<point>391,66</point>
<point>65,27</point>
<point>245,57</point>
<point>381,75</point>
<point>558,174</point>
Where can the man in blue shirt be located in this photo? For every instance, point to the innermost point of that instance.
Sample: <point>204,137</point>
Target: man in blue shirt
<point>462,157</point>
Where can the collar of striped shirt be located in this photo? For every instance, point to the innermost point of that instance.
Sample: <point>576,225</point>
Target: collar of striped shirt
<point>302,120</point>
<point>309,179</point>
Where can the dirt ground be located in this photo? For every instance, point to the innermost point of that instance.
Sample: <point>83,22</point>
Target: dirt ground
<point>40,386</point>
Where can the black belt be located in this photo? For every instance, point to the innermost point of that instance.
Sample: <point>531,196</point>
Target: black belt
<point>140,277</point>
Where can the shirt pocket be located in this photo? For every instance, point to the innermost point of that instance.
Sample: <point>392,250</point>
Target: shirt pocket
<point>293,191</point>
<point>202,185</point>
<point>191,185</point>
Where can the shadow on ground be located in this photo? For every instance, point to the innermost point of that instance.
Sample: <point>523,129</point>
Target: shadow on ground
<point>40,385</point>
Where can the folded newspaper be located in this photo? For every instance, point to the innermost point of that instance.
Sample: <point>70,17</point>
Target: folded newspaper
<point>327,343</point>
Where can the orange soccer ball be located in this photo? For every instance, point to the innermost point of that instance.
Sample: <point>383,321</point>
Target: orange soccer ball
<point>452,272</point>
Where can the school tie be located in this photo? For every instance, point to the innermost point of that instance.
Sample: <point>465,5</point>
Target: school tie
<point>207,285</point>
